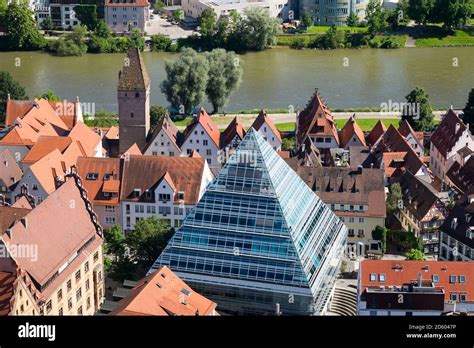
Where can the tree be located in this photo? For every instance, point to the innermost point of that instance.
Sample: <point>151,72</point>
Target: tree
<point>288,144</point>
<point>178,15</point>
<point>207,23</point>
<point>418,112</point>
<point>380,233</point>
<point>420,10</point>
<point>20,27</point>
<point>453,13</point>
<point>101,118</point>
<point>186,80</point>
<point>393,197</point>
<point>87,15</point>
<point>136,39</point>
<point>415,255</point>
<point>375,16</point>
<point>48,95</point>
<point>73,44</point>
<point>224,77</point>
<point>332,39</point>
<point>468,112</point>
<point>256,30</point>
<point>352,20</point>
<point>157,113</point>
<point>160,42</point>
<point>148,239</point>
<point>115,242</point>
<point>47,24</point>
<point>102,30</point>
<point>9,86</point>
<point>307,20</point>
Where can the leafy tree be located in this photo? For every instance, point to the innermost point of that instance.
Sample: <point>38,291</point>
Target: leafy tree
<point>419,112</point>
<point>256,30</point>
<point>148,239</point>
<point>207,23</point>
<point>136,39</point>
<point>331,39</point>
<point>453,13</point>
<point>3,10</point>
<point>375,16</point>
<point>394,195</point>
<point>352,20</point>
<point>101,118</point>
<point>115,242</point>
<point>225,76</point>
<point>87,15</point>
<point>159,5</point>
<point>157,113</point>
<point>73,44</point>
<point>420,10</point>
<point>102,30</point>
<point>468,112</point>
<point>307,20</point>
<point>160,42</point>
<point>20,27</point>
<point>380,233</point>
<point>178,15</point>
<point>415,254</point>
<point>9,86</point>
<point>186,80</point>
<point>48,95</point>
<point>47,24</point>
<point>288,144</point>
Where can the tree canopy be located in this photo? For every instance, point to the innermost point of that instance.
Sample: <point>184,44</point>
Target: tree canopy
<point>468,111</point>
<point>20,27</point>
<point>419,112</point>
<point>9,86</point>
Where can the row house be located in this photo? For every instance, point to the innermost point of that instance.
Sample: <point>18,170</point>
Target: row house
<point>375,134</point>
<point>356,196</point>
<point>414,139</point>
<point>232,136</point>
<point>457,231</point>
<point>422,212</point>
<point>163,293</point>
<point>351,134</point>
<point>165,139</point>
<point>10,174</point>
<point>461,176</point>
<point>451,135</point>
<point>317,122</point>
<point>265,126</point>
<point>167,187</point>
<point>102,177</point>
<point>64,277</point>
<point>414,288</point>
<point>125,15</point>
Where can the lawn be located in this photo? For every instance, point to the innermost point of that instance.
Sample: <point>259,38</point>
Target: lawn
<point>460,38</point>
<point>285,127</point>
<point>366,124</point>
<point>316,29</point>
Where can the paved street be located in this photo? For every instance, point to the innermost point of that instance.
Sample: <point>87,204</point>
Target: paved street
<point>159,25</point>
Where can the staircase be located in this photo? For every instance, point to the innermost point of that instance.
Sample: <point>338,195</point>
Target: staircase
<point>343,302</point>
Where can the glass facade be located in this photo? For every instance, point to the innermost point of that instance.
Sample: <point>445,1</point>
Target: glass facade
<point>259,239</point>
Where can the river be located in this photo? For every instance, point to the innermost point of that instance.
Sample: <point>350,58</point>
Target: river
<point>272,79</point>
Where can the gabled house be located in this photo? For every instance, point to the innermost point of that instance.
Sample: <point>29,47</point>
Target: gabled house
<point>450,135</point>
<point>90,141</point>
<point>422,212</point>
<point>265,126</point>
<point>61,272</point>
<point>43,177</point>
<point>203,135</point>
<point>101,177</point>
<point>10,174</point>
<point>164,140</point>
<point>232,136</point>
<point>351,134</point>
<point>457,231</point>
<point>461,177</point>
<point>376,132</point>
<point>307,154</point>
<point>317,122</point>
<point>167,187</point>
<point>414,139</point>
<point>393,153</point>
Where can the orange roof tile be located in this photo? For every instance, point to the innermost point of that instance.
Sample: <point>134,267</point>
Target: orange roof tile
<point>133,150</point>
<point>376,132</point>
<point>263,118</point>
<point>7,286</point>
<point>47,169</point>
<point>10,172</point>
<point>207,123</point>
<point>87,137</point>
<point>234,129</point>
<point>350,129</point>
<point>112,133</point>
<point>164,293</point>
<point>16,109</point>
<point>44,145</point>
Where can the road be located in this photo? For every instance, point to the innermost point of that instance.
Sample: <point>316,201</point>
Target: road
<point>158,25</point>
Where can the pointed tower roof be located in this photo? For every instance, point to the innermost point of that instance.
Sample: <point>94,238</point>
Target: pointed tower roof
<point>134,75</point>
<point>259,226</point>
<point>376,132</point>
<point>350,129</point>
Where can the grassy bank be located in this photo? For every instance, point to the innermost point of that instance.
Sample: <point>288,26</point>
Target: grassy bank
<point>458,38</point>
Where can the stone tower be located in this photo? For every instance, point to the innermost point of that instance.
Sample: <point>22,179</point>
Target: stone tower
<point>133,94</point>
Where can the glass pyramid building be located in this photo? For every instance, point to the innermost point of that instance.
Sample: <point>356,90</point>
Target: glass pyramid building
<point>259,242</point>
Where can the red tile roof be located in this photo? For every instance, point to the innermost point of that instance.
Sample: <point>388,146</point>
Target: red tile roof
<point>15,109</point>
<point>316,119</point>
<point>96,188</point>
<point>263,118</point>
<point>350,129</point>
<point>207,123</point>
<point>112,3</point>
<point>133,150</point>
<point>376,132</point>
<point>10,172</point>
<point>45,145</point>
<point>445,136</point>
<point>48,168</point>
<point>234,129</point>
<point>398,273</point>
<point>87,137</point>
<point>7,285</point>
<point>462,176</point>
<point>164,293</point>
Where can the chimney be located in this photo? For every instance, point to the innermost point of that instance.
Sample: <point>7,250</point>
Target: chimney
<point>359,169</point>
<point>458,125</point>
<point>419,279</point>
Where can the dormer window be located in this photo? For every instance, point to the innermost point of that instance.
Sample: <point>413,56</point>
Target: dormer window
<point>137,193</point>
<point>92,176</point>
<point>107,177</point>
<point>148,194</point>
<point>181,195</point>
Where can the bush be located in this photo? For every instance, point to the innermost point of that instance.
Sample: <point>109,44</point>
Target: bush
<point>160,42</point>
<point>65,47</point>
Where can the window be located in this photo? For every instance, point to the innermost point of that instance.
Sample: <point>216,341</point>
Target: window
<point>351,219</point>
<point>96,256</point>
<point>462,298</point>
<point>360,232</point>
<point>462,279</point>
<point>208,152</point>
<point>373,277</point>
<point>92,176</point>
<point>110,220</point>
<point>79,310</point>
<point>452,279</point>
<point>435,278</point>
<point>86,267</point>
<point>78,276</point>
<point>341,207</point>
<point>35,187</point>
<point>88,302</point>
<point>87,285</point>
<point>69,285</point>
<point>60,311</point>
<point>361,220</point>
<point>49,306</point>
<point>110,209</point>
<point>60,295</point>
<point>454,297</point>
<point>78,294</point>
<point>181,195</point>
<point>205,142</point>
<point>382,277</point>
<point>69,303</point>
